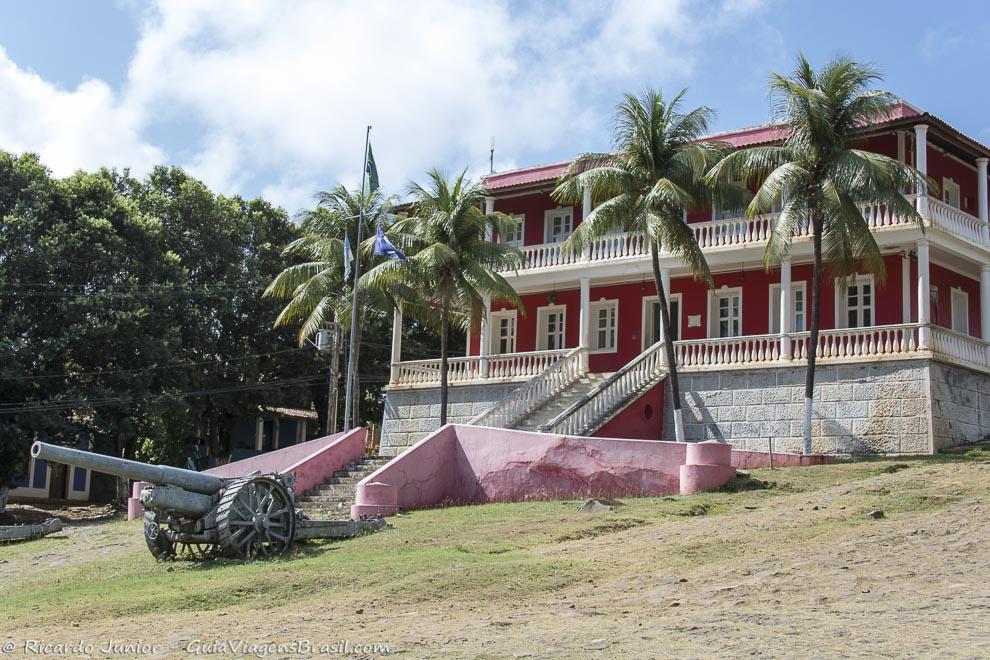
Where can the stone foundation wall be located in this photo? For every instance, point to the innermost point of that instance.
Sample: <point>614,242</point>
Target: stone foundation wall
<point>412,414</point>
<point>960,405</point>
<point>878,407</point>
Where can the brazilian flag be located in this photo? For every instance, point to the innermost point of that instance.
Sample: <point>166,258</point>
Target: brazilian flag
<point>372,171</point>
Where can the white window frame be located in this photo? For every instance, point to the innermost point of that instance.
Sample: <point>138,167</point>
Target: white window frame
<point>774,318</point>
<point>543,328</point>
<point>859,280</point>
<point>548,217</point>
<point>713,320</point>
<point>494,319</point>
<point>948,185</point>
<point>593,309</point>
<point>520,236</point>
<point>959,299</point>
<point>646,326</point>
<point>727,214</point>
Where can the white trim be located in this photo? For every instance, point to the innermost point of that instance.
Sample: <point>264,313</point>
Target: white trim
<point>542,334</point>
<point>644,335</point>
<point>30,490</point>
<point>858,280</point>
<point>796,285</point>
<point>594,307</point>
<point>949,185</point>
<point>955,295</point>
<point>520,239</point>
<point>713,296</point>
<point>548,216</point>
<point>495,329</point>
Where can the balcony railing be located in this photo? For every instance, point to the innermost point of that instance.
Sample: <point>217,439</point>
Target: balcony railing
<point>511,366</point>
<point>743,231</point>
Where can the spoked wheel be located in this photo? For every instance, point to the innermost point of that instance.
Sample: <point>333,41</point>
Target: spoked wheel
<point>163,545</point>
<point>255,519</point>
<point>159,542</point>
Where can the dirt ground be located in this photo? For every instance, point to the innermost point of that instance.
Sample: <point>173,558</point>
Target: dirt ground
<point>808,574</point>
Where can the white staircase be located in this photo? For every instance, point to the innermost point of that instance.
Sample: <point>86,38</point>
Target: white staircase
<point>611,395</point>
<point>576,391</point>
<point>539,390</point>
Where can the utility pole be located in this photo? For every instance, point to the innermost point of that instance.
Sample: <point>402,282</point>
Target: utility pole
<point>351,365</point>
<point>336,345</point>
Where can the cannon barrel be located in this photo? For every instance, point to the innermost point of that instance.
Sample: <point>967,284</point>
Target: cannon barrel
<point>196,482</point>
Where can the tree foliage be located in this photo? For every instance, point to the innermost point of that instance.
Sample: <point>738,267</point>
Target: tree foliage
<point>131,315</point>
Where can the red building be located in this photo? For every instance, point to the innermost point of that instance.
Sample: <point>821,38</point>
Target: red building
<point>591,315</point>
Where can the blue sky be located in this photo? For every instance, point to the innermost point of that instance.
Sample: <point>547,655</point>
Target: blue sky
<point>271,98</point>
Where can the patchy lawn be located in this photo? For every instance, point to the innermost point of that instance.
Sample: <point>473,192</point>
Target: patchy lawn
<point>788,563</point>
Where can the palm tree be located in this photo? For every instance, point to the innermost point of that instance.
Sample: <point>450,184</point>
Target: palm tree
<point>315,288</point>
<point>654,176</point>
<point>453,265</point>
<point>818,174</point>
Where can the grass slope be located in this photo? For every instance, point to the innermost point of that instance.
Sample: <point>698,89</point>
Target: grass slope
<point>506,579</point>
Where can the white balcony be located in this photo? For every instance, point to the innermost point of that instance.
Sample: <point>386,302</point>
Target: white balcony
<point>734,233</point>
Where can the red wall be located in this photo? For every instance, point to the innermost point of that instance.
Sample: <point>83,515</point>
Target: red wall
<point>533,206</point>
<point>941,165</point>
<point>642,419</point>
<point>945,280</point>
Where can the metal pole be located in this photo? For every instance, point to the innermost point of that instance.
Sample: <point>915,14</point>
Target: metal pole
<point>338,342</point>
<point>349,388</point>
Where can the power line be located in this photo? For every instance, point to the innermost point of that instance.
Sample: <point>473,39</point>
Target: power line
<point>10,409</point>
<point>146,369</point>
<point>96,403</point>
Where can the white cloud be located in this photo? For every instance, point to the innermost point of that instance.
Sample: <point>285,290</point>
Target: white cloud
<point>87,127</point>
<point>275,94</point>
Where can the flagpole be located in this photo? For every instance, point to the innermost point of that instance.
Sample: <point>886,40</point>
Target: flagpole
<point>351,365</point>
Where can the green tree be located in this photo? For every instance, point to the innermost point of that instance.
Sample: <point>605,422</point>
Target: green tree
<point>654,176</point>
<point>452,263</point>
<point>819,175</point>
<point>315,287</point>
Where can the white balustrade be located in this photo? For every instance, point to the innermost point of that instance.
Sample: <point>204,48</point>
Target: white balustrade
<point>874,341</point>
<point>520,402</point>
<point>970,351</point>
<point>732,231</point>
<point>615,246</point>
<point>954,221</point>
<point>749,349</point>
<point>511,366</point>
<point>647,368</point>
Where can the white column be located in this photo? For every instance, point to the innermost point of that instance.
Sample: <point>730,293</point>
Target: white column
<point>584,332</point>
<point>924,304</point>
<point>489,209</point>
<point>905,287</point>
<point>275,433</point>
<point>259,433</point>
<point>585,212</point>
<point>397,342</point>
<point>921,164</point>
<point>785,310</point>
<point>981,196</point>
<point>485,341</point>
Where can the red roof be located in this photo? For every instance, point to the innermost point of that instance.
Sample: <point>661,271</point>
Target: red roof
<point>525,176</point>
<point>744,137</point>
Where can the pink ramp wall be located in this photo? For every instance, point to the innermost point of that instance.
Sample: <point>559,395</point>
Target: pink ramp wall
<point>461,464</point>
<point>310,462</point>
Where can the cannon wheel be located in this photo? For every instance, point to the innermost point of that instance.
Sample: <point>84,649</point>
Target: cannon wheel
<point>161,541</point>
<point>255,518</point>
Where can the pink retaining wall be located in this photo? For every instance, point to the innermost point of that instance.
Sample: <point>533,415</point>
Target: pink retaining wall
<point>310,462</point>
<point>461,464</point>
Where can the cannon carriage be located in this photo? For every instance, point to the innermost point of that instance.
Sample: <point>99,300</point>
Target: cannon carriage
<point>198,514</point>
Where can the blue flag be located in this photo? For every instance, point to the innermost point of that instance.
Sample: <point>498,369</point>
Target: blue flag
<point>384,248</point>
<point>348,257</point>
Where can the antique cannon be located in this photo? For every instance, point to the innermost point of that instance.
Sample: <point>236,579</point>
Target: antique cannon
<point>188,512</point>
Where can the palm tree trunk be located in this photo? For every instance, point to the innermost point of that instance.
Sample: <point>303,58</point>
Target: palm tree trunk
<point>668,344</point>
<point>816,286</point>
<point>443,364</point>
